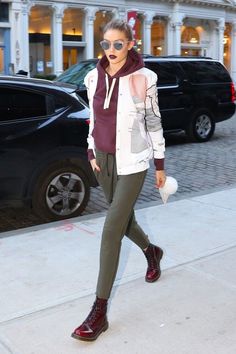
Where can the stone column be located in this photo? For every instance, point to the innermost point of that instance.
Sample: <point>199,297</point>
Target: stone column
<point>120,13</point>
<point>22,45</point>
<point>176,44</point>
<point>147,31</point>
<point>176,24</point>
<point>56,38</point>
<point>233,52</point>
<point>15,38</point>
<point>220,29</point>
<point>89,30</point>
<point>169,37</point>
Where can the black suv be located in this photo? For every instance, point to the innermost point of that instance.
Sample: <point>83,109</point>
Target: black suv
<point>43,147</point>
<point>194,92</point>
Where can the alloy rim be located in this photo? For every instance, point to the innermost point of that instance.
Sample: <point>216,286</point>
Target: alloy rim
<point>65,193</point>
<point>203,126</point>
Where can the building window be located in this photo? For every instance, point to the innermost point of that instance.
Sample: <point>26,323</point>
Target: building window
<point>1,60</point>
<point>40,40</point>
<point>2,49</point>
<point>227,45</point>
<point>72,36</point>
<point>4,12</point>
<point>72,26</point>
<point>158,37</point>
<point>190,35</point>
<point>139,33</point>
<point>190,41</point>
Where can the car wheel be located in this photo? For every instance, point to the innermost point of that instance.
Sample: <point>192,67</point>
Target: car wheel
<point>202,126</point>
<point>62,191</point>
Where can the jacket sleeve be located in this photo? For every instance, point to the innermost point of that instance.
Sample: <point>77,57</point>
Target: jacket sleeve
<point>90,139</point>
<point>153,121</point>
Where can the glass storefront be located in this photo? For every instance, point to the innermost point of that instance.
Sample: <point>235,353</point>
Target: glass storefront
<point>70,57</point>
<point>227,46</point>
<point>158,37</point>
<point>72,35</point>
<point>40,37</point>
<point>4,12</point>
<point>40,40</point>
<point>190,41</point>
<point>1,60</point>
<point>139,33</point>
<point>4,50</point>
<point>4,17</point>
<point>194,37</point>
<point>190,35</point>
<point>1,52</point>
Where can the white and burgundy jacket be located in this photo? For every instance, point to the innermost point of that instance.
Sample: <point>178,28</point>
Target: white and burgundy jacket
<point>139,133</point>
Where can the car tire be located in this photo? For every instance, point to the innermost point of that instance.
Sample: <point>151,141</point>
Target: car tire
<point>201,127</point>
<point>62,191</point>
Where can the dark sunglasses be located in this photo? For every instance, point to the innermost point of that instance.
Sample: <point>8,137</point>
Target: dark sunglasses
<point>118,45</point>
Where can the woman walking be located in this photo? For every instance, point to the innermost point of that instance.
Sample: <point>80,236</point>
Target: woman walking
<point>125,133</point>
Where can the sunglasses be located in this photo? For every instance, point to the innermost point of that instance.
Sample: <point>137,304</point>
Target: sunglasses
<point>118,45</point>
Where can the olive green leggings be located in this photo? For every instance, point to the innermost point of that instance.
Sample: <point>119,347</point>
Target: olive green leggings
<point>121,192</point>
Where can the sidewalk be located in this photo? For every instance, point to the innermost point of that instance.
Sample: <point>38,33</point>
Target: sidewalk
<point>48,278</point>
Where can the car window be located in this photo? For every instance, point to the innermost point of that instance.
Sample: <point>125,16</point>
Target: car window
<point>76,73</point>
<point>18,104</point>
<point>205,72</point>
<point>166,72</point>
<point>55,104</point>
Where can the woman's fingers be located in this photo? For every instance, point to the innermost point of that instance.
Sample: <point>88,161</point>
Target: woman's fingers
<point>160,179</point>
<point>94,165</point>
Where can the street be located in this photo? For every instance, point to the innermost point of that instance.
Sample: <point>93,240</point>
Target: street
<point>198,168</point>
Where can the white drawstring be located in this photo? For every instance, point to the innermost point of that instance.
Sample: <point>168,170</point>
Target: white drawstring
<point>108,92</point>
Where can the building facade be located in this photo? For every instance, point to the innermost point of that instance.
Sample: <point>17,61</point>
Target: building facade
<point>45,37</point>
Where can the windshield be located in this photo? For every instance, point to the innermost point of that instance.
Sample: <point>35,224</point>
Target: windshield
<point>76,73</point>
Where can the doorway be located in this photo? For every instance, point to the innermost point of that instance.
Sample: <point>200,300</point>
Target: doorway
<point>70,57</point>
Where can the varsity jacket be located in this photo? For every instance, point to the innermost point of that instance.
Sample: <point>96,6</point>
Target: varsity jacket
<point>139,133</point>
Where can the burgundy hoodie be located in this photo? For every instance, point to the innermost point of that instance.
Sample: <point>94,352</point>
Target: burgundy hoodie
<point>105,104</point>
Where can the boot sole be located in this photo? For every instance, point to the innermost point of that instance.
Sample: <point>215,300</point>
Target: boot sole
<point>158,276</point>
<point>91,339</point>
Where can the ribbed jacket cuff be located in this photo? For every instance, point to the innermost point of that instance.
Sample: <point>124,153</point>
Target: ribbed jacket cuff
<point>159,163</point>
<point>90,154</point>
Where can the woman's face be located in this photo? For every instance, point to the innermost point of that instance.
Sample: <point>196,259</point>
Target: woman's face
<point>116,46</point>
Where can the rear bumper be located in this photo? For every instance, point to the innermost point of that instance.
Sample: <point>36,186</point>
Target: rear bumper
<point>225,111</point>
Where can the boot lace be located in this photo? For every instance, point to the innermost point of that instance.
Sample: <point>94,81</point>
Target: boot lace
<point>94,314</point>
<point>151,259</point>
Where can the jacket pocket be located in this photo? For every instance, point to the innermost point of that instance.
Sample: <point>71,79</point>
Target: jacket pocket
<point>138,134</point>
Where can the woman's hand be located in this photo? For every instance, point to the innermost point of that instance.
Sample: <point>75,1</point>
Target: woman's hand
<point>160,178</point>
<point>94,165</point>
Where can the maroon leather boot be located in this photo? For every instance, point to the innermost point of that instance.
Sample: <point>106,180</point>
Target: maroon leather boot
<point>153,255</point>
<point>95,323</point>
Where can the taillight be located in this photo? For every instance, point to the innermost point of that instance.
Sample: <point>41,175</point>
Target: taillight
<point>233,93</point>
<point>87,121</point>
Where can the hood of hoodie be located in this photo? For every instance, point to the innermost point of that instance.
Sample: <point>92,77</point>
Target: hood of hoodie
<point>133,63</point>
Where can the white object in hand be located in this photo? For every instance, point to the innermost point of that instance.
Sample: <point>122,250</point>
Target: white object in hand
<point>170,187</point>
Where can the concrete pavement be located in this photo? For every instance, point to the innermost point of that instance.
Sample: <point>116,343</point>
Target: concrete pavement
<point>48,277</point>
